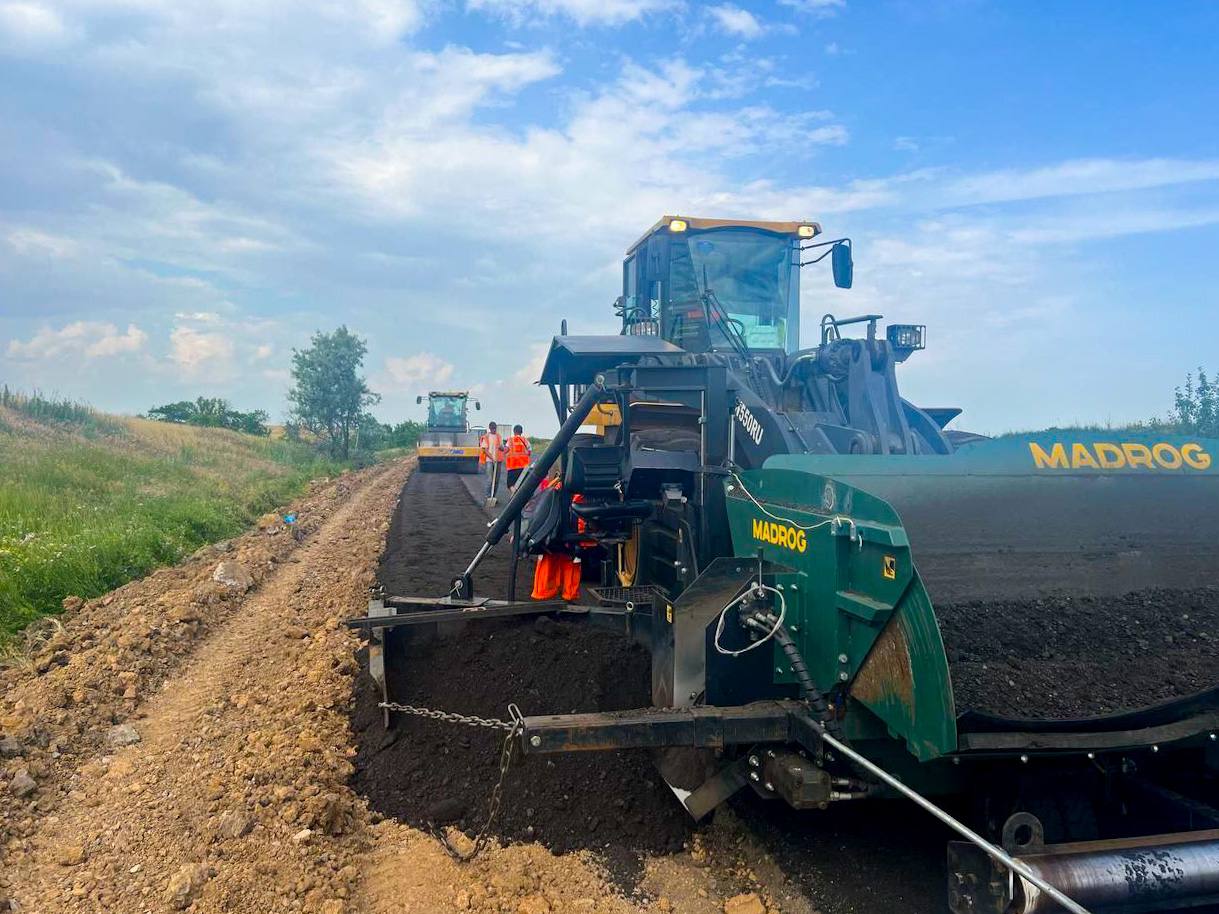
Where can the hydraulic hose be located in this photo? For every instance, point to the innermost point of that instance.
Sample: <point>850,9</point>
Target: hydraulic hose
<point>808,689</point>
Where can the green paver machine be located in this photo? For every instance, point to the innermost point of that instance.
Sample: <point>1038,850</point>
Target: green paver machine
<point>774,523</point>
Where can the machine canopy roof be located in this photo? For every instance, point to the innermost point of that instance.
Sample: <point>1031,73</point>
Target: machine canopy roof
<point>578,359</point>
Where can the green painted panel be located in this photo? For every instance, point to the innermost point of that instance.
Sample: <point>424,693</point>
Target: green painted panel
<point>857,609</point>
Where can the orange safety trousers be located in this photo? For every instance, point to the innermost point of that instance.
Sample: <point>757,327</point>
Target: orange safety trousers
<point>556,572</point>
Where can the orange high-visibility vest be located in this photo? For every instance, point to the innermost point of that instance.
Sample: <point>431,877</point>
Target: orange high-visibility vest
<point>519,453</point>
<point>489,447</point>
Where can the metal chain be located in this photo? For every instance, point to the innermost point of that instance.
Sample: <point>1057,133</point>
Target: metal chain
<point>450,716</point>
<point>514,728</point>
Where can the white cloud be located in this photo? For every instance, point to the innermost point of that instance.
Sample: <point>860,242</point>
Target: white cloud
<point>584,12</point>
<point>1075,177</point>
<point>736,21</point>
<point>264,351</point>
<point>27,25</point>
<point>819,8</point>
<point>195,351</point>
<point>643,145</point>
<point>532,369</point>
<point>91,339</point>
<point>420,370</point>
<point>31,242</point>
<point>388,20</point>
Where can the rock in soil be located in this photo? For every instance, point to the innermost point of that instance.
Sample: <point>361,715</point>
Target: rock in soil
<point>613,803</point>
<point>122,735</point>
<point>234,575</point>
<point>1069,657</point>
<point>185,884</point>
<point>22,784</point>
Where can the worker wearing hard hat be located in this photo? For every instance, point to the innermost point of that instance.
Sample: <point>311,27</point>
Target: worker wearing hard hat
<point>518,455</point>
<point>491,458</point>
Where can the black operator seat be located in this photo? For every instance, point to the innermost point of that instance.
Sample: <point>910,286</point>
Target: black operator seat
<point>595,472</point>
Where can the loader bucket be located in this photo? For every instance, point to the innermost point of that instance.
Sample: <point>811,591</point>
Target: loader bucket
<point>1023,518</point>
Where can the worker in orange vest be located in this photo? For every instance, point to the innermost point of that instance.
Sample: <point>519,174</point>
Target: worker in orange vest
<point>491,458</point>
<point>519,455</point>
<point>557,571</point>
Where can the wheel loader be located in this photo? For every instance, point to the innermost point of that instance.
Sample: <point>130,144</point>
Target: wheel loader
<point>448,445</point>
<point>777,523</point>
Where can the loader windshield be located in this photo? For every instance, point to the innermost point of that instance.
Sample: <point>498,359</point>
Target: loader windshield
<point>751,274</point>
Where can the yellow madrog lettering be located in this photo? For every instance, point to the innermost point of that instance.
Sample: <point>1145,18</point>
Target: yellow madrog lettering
<point>1082,457</point>
<point>1166,456</point>
<point>1138,455</point>
<point>1111,456</point>
<point>1197,458</point>
<point>1056,459</point>
<point>779,535</point>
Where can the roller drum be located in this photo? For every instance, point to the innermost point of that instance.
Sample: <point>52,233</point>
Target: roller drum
<point>1124,878</point>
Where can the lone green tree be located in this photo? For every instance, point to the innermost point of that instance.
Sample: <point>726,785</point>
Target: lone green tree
<point>328,394</point>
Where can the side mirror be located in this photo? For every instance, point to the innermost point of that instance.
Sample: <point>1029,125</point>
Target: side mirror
<point>419,399</point>
<point>478,406</point>
<point>844,267</point>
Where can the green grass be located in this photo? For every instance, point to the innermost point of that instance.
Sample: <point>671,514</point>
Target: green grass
<point>89,501</point>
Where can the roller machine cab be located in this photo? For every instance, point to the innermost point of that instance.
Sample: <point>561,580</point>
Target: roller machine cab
<point>448,445</point>
<point>778,523</point>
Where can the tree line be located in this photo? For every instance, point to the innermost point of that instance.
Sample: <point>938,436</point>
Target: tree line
<point>330,399</point>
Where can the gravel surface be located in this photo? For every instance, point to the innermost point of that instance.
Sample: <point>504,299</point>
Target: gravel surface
<point>1067,658</point>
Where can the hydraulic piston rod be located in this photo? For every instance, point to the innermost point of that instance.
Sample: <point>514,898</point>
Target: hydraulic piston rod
<point>462,586</point>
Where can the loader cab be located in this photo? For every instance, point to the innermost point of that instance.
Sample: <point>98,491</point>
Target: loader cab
<point>698,283</point>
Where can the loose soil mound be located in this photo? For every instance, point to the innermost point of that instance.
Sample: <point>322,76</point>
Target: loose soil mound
<point>1064,657</point>
<point>428,771</point>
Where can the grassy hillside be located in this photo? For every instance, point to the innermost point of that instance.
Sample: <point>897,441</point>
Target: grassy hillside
<point>90,501</point>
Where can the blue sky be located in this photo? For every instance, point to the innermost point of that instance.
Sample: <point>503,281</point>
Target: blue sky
<point>188,190</point>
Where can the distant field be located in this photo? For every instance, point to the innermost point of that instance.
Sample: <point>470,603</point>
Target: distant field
<point>90,501</point>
